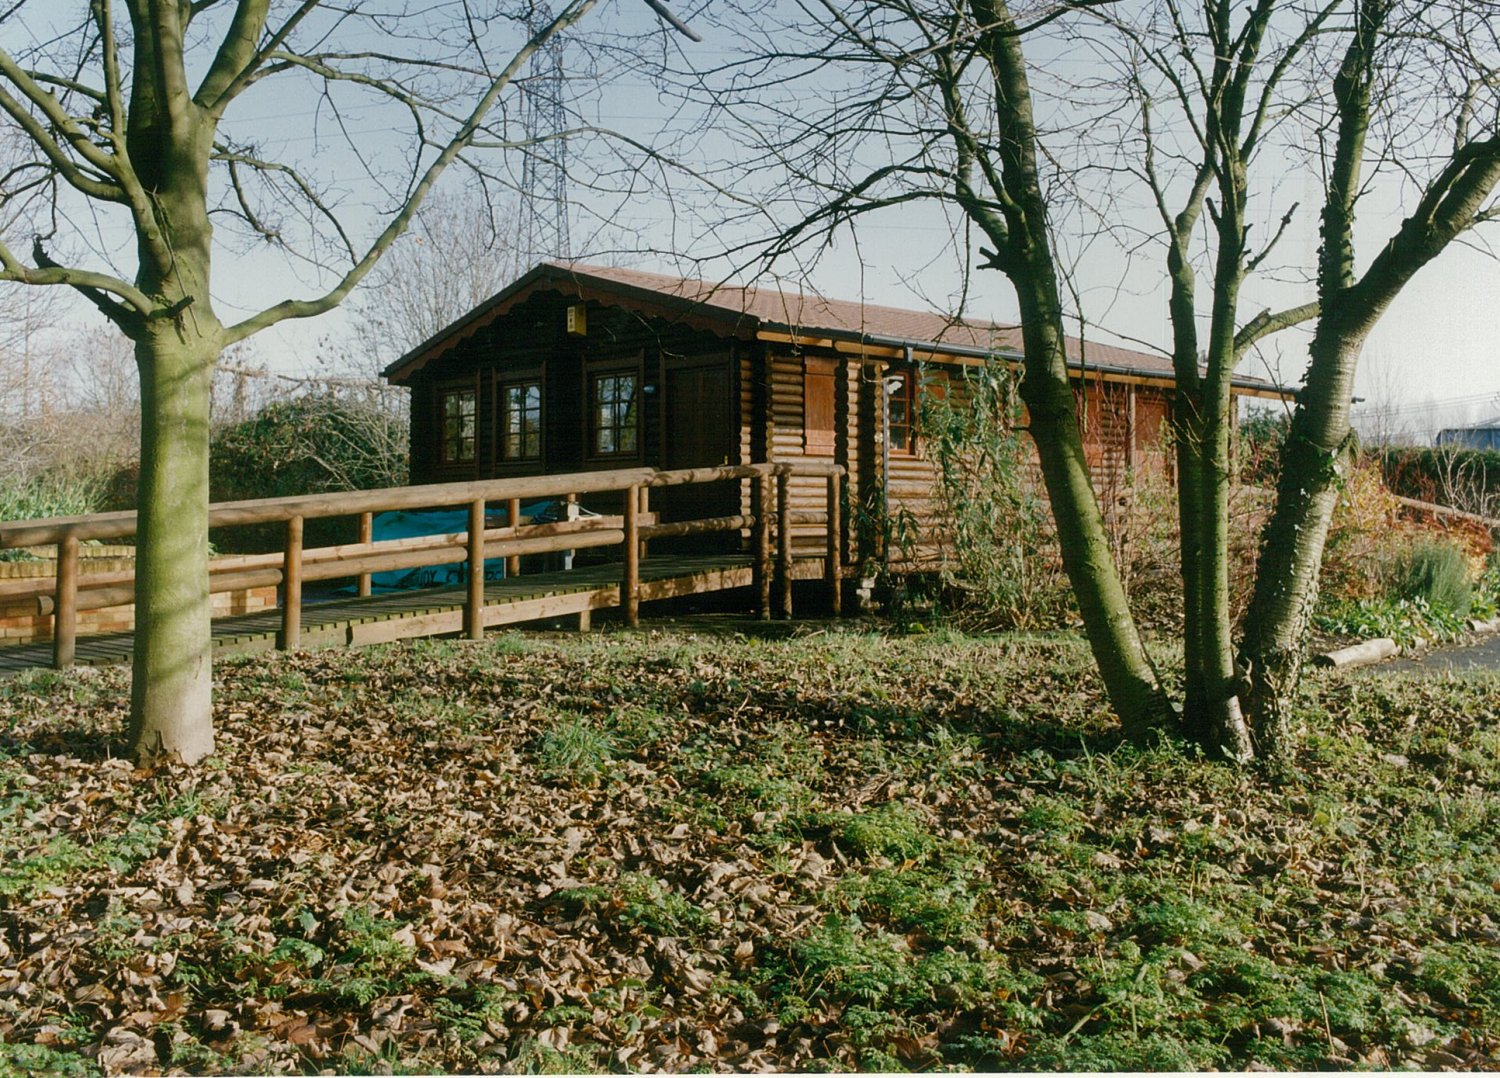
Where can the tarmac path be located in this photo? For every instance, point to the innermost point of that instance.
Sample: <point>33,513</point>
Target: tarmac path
<point>1484,654</point>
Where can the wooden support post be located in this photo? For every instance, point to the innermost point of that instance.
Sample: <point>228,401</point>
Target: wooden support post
<point>760,540</point>
<point>513,518</point>
<point>834,570</point>
<point>784,537</point>
<point>630,586</point>
<point>291,582</point>
<point>645,508</point>
<point>366,535</point>
<point>474,606</point>
<point>65,612</point>
<point>570,512</point>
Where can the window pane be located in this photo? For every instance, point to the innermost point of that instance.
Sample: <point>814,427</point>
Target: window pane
<point>459,409</point>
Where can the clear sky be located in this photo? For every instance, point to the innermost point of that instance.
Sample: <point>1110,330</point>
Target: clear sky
<point>1438,343</point>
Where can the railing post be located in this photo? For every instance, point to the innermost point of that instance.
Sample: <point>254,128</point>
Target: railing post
<point>784,536</point>
<point>65,607</point>
<point>645,508</point>
<point>760,538</point>
<point>291,582</point>
<point>474,607</point>
<point>630,586</point>
<point>571,512</point>
<point>366,535</point>
<point>513,518</point>
<point>834,570</point>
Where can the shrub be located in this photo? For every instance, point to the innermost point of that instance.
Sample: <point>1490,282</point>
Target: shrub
<point>1467,479</point>
<point>50,496</point>
<point>304,446</point>
<point>999,559</point>
<point>1262,434</point>
<point>1358,548</point>
<point>1435,572</point>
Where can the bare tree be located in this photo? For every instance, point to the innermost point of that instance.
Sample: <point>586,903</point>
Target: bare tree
<point>127,108</point>
<point>1417,89</point>
<point>934,102</point>
<point>460,250</point>
<point>1220,76</point>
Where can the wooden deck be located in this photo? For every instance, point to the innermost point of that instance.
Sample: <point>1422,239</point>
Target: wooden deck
<point>377,619</point>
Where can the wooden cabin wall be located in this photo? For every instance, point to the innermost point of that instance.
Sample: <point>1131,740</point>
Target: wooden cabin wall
<point>532,340</point>
<point>851,422</point>
<point>1105,423</point>
<point>1122,426</point>
<point>789,441</point>
<point>913,478</point>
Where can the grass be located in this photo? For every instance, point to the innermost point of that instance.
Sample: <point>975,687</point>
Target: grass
<point>659,852</point>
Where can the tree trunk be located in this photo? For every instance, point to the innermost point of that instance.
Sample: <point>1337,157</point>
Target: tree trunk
<point>1024,253</point>
<point>170,712</point>
<point>1216,712</point>
<point>1316,455</point>
<point>1053,423</point>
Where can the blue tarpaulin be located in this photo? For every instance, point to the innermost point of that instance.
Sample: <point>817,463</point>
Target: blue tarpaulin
<point>408,525</point>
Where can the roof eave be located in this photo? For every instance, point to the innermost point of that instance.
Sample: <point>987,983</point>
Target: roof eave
<point>972,352</point>
<point>548,272</point>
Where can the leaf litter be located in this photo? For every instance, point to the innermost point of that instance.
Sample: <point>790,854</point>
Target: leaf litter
<point>666,852</point>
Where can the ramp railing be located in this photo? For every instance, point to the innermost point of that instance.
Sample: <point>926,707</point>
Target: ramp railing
<point>770,521</point>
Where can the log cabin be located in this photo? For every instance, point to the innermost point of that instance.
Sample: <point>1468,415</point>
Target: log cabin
<point>581,368</point>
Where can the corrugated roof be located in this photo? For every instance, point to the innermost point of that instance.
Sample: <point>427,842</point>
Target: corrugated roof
<point>776,307</point>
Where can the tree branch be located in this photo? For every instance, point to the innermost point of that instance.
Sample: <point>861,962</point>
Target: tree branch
<point>1266,323</point>
<point>576,10</point>
<point>90,283</point>
<point>77,138</point>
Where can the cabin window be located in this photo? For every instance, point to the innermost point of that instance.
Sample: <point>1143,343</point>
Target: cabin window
<point>817,405</point>
<point>521,421</point>
<point>616,414</point>
<point>900,411</point>
<point>459,411</point>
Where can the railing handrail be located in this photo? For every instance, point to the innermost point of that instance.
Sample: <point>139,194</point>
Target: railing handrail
<point>51,530</point>
<point>633,530</point>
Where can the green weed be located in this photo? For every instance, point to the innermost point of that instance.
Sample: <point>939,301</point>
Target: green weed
<point>575,749</point>
<point>892,830</point>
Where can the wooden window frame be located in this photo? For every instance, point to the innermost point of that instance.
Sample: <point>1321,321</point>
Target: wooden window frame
<point>507,381</point>
<point>908,396</point>
<point>444,393</point>
<point>594,374</point>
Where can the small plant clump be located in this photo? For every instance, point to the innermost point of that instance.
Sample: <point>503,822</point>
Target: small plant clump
<point>1436,573</point>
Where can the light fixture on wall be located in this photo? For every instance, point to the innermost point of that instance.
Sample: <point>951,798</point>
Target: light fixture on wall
<point>578,320</point>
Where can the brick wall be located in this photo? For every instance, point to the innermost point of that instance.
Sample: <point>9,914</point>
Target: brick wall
<point>18,627</point>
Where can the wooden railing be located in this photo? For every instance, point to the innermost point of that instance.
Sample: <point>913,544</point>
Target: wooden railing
<point>69,592</point>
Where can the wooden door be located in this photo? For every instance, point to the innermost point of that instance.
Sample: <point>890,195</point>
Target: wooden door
<point>700,429</point>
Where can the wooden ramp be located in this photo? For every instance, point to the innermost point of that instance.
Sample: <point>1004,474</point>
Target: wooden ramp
<point>377,619</point>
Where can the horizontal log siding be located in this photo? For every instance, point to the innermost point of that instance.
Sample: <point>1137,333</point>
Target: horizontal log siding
<point>1104,419</point>
<point>849,419</point>
<point>807,493</point>
<point>747,394</point>
<point>914,477</point>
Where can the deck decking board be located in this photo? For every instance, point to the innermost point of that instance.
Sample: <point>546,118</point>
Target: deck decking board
<point>323,624</point>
